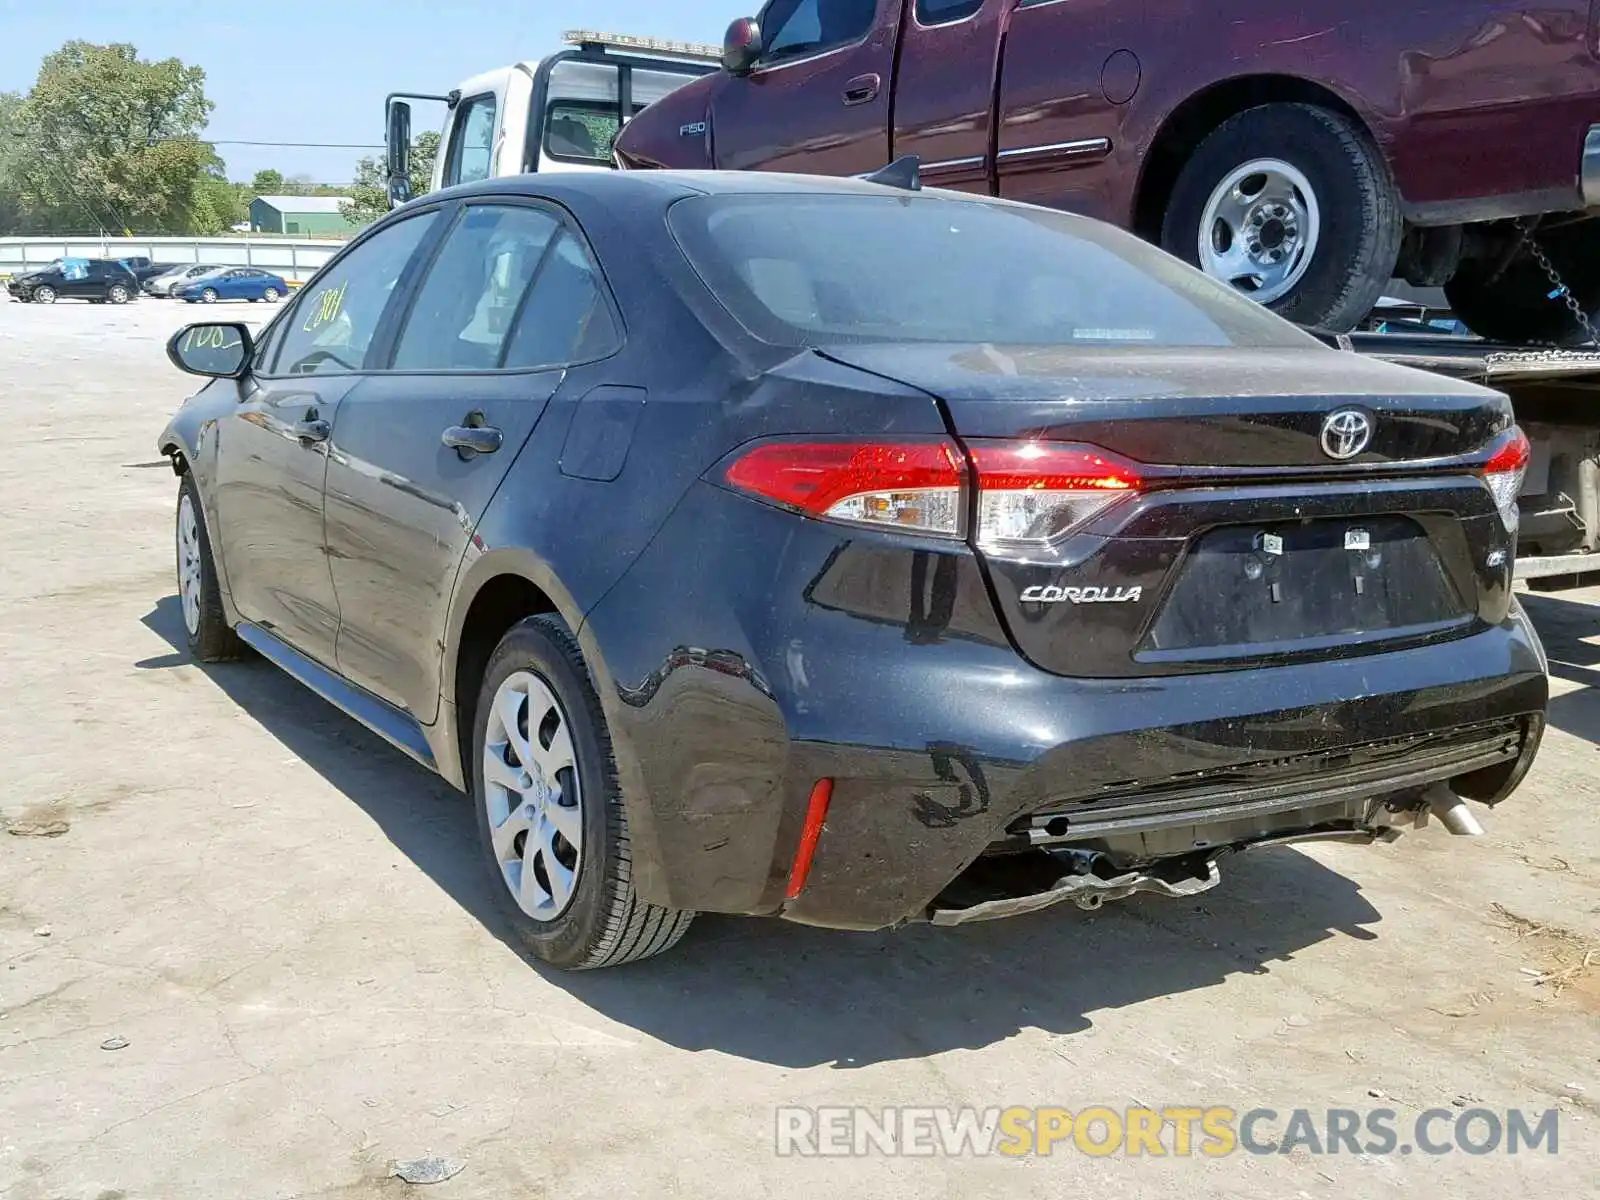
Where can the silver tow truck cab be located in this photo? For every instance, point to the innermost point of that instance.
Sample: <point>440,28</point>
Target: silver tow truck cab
<point>560,113</point>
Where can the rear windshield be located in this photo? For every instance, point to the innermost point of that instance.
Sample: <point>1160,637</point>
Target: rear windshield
<point>804,270</point>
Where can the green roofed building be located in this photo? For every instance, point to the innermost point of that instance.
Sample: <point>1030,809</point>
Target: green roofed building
<point>307,216</point>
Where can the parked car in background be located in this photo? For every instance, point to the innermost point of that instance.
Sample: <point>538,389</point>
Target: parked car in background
<point>17,285</point>
<point>162,285</point>
<point>233,283</point>
<point>143,268</point>
<point>777,545</point>
<point>97,280</point>
<point>1305,154</point>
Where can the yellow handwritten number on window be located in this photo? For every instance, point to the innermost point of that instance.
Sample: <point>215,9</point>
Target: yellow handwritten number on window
<point>326,308</point>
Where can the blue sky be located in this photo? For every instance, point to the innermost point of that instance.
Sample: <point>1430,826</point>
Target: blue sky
<point>318,70</point>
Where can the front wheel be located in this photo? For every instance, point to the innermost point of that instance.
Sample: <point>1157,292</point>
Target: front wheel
<point>44,295</point>
<point>205,624</point>
<point>1291,205</point>
<point>550,812</point>
<point>209,296</point>
<point>1518,302</point>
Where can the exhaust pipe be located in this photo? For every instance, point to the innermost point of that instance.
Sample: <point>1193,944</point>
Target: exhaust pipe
<point>1452,811</point>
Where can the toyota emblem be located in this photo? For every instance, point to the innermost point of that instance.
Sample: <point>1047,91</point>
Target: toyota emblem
<point>1345,433</point>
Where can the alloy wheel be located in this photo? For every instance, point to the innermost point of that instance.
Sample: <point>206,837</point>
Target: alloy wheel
<point>44,295</point>
<point>532,795</point>
<point>118,294</point>
<point>1259,229</point>
<point>209,296</point>
<point>189,564</point>
<point>270,295</point>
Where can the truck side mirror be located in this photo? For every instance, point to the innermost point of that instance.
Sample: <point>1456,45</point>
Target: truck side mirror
<point>397,152</point>
<point>741,46</point>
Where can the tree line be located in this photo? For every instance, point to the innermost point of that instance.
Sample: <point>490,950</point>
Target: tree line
<point>106,140</point>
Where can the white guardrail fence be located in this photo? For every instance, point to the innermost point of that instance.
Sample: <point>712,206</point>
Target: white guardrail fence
<point>296,259</point>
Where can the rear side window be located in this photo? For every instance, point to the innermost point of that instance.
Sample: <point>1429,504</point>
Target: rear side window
<point>814,269</point>
<point>566,318</point>
<point>465,307</point>
<point>942,12</point>
<point>471,141</point>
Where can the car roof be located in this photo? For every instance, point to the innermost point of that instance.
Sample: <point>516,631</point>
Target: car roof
<point>665,187</point>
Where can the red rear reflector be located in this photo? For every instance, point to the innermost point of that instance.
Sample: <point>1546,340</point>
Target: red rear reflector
<point>810,833</point>
<point>1036,491</point>
<point>914,485</point>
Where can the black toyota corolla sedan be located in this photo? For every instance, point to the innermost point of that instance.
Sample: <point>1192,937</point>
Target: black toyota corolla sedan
<point>855,554</point>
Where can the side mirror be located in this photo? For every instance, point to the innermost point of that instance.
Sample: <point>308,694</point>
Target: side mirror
<point>741,46</point>
<point>397,152</point>
<point>218,350</point>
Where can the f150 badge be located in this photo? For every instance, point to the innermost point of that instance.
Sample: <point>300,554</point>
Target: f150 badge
<point>697,129</point>
<point>1051,594</point>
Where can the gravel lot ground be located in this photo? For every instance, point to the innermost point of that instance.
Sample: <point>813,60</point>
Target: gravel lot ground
<point>286,922</point>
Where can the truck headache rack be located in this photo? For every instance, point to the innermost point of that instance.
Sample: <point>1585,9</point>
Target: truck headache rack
<point>589,39</point>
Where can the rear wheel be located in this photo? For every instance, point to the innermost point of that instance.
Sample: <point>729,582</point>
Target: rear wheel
<point>550,811</point>
<point>270,295</point>
<point>1518,302</point>
<point>44,294</point>
<point>1292,206</point>
<point>205,624</point>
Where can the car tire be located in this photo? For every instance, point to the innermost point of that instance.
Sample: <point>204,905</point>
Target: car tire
<point>205,624</point>
<point>117,294</point>
<point>271,295</point>
<point>44,295</point>
<point>1520,304</point>
<point>586,914</point>
<point>1301,182</point>
<point>209,296</point>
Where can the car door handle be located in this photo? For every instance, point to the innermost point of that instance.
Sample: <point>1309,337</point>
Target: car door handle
<point>862,89</point>
<point>471,440</point>
<point>312,430</point>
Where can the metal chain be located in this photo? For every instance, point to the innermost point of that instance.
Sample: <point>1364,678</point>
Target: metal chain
<point>1562,290</point>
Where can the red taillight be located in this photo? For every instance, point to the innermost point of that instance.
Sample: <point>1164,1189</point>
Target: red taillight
<point>1512,455</point>
<point>1503,473</point>
<point>1036,491</point>
<point>1028,491</point>
<point>913,485</point>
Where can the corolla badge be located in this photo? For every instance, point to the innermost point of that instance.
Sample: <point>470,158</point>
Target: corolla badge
<point>1051,594</point>
<point>1346,432</point>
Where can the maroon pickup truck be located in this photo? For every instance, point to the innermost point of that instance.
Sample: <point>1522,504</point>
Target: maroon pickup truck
<point>1306,153</point>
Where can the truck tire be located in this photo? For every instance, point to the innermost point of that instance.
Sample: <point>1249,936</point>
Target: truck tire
<point>550,812</point>
<point>1293,206</point>
<point>1520,304</point>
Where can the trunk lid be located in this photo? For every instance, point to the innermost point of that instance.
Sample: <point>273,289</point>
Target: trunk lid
<point>1245,542</point>
<point>1206,408</point>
